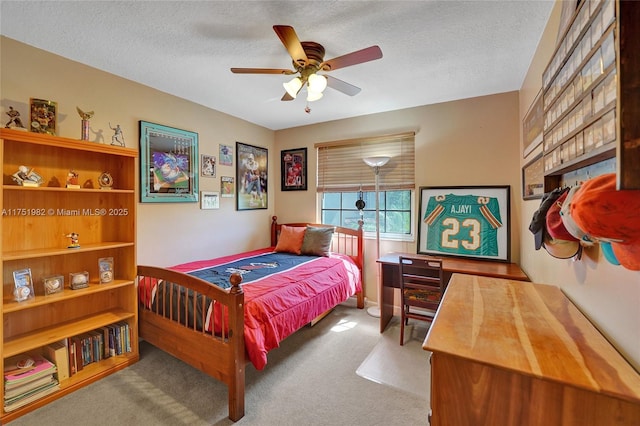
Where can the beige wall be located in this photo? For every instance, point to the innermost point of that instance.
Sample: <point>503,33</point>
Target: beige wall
<point>609,295</point>
<point>466,142</point>
<point>168,233</point>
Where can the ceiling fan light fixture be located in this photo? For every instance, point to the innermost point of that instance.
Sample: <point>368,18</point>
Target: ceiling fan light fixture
<point>293,87</point>
<point>317,83</point>
<point>313,96</point>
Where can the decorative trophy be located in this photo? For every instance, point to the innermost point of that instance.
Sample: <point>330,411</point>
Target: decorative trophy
<point>86,116</point>
<point>105,180</point>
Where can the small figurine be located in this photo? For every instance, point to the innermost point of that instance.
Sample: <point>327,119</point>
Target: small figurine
<point>14,117</point>
<point>72,179</point>
<point>118,137</point>
<point>74,243</point>
<point>27,177</point>
<point>86,116</point>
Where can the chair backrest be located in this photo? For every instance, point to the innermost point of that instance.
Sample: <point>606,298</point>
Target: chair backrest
<point>416,272</point>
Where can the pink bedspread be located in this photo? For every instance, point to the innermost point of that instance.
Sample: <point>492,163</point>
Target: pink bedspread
<point>282,303</point>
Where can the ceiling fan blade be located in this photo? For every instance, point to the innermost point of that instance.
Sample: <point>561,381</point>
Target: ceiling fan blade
<point>289,38</point>
<point>286,97</point>
<point>342,86</point>
<point>353,58</point>
<point>261,71</point>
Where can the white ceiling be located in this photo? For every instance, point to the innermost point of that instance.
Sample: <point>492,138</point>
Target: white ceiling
<point>434,51</point>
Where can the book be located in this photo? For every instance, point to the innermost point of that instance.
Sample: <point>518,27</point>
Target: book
<point>57,353</point>
<point>21,389</point>
<point>29,397</point>
<point>77,347</point>
<point>26,368</point>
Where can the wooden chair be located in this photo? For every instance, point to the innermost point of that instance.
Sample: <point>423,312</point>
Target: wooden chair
<point>421,286</point>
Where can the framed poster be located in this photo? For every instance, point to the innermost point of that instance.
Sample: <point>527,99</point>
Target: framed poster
<point>168,164</point>
<point>251,177</point>
<point>293,164</point>
<point>207,165</point>
<point>533,179</point>
<point>532,124</point>
<point>465,221</point>
<point>227,186</point>
<point>226,155</point>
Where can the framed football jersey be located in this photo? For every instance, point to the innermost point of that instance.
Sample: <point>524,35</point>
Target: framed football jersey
<point>465,221</point>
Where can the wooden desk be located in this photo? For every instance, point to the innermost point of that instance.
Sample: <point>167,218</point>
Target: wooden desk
<point>451,265</point>
<point>515,353</point>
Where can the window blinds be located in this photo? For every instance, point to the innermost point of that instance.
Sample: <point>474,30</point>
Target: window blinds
<point>341,168</point>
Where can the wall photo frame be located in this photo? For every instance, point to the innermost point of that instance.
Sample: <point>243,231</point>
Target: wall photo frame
<point>533,179</point>
<point>168,164</point>
<point>207,165</point>
<point>252,165</point>
<point>209,200</point>
<point>465,221</point>
<point>293,165</point>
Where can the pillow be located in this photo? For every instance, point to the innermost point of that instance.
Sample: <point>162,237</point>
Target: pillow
<point>290,239</point>
<point>317,241</point>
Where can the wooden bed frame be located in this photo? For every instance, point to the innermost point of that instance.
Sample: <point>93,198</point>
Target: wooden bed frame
<point>221,355</point>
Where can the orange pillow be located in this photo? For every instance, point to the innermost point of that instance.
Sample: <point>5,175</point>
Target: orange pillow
<point>290,239</point>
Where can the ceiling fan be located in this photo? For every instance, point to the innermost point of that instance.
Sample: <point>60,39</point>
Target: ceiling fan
<point>308,59</point>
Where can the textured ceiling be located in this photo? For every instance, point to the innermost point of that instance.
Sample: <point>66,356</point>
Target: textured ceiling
<point>434,51</point>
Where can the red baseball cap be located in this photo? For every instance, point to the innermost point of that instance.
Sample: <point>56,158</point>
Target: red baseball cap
<point>555,225</point>
<point>610,215</point>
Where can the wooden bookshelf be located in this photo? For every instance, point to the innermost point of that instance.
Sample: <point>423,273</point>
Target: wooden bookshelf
<point>35,222</point>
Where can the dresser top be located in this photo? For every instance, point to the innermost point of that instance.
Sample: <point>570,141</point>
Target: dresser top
<point>532,329</point>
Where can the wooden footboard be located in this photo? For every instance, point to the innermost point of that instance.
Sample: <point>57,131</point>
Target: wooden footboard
<point>345,240</point>
<point>219,352</point>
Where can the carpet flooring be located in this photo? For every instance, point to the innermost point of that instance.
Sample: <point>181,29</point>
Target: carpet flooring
<point>310,379</point>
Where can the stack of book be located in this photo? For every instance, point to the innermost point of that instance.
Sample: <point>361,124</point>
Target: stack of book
<point>27,378</point>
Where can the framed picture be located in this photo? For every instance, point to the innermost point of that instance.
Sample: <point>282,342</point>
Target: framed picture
<point>251,175</point>
<point>533,179</point>
<point>209,200</point>
<point>465,221</point>
<point>227,186</point>
<point>293,164</point>
<point>43,116</point>
<point>226,155</point>
<point>168,164</point>
<point>532,124</point>
<point>207,165</point>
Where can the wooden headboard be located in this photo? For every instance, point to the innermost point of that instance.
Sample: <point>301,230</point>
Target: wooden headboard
<point>345,240</point>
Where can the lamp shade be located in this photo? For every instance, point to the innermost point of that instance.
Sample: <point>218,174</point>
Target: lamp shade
<point>313,96</point>
<point>378,161</point>
<point>292,87</point>
<point>317,83</point>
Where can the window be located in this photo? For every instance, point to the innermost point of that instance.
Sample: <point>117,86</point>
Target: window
<point>339,208</point>
<point>343,176</point>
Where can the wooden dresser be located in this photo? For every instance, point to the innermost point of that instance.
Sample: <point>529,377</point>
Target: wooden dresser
<point>516,353</point>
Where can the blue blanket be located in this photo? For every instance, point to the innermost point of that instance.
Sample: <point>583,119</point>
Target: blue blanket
<point>251,269</point>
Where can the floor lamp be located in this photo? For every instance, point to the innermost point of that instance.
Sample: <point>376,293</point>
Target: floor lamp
<point>376,163</point>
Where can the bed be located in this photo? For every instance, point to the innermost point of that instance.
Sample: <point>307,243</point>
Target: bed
<point>219,314</point>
